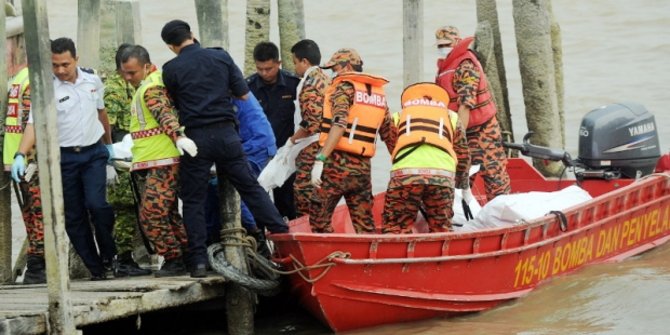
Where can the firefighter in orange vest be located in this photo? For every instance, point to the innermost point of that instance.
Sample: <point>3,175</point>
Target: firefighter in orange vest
<point>354,111</point>
<point>461,75</point>
<point>429,160</point>
<point>18,107</point>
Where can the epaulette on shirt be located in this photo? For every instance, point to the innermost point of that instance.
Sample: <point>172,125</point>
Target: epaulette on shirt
<point>88,70</point>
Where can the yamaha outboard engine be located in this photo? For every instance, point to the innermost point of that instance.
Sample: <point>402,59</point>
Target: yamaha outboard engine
<point>619,139</point>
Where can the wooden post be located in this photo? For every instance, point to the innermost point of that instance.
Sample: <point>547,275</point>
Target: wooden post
<point>533,40</point>
<point>557,52</point>
<point>61,320</point>
<point>257,30</point>
<point>5,209</point>
<point>289,31</point>
<point>128,23</point>
<point>484,46</point>
<point>487,11</point>
<point>88,33</point>
<point>239,301</point>
<point>412,42</point>
<point>213,22</point>
<point>300,17</point>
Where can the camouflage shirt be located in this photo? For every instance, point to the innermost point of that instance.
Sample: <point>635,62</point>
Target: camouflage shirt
<point>118,96</point>
<point>162,109</point>
<point>466,81</point>
<point>311,100</point>
<point>342,100</point>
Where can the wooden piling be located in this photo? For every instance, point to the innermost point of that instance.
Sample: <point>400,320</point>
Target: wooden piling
<point>289,31</point>
<point>43,102</point>
<point>5,209</point>
<point>487,11</point>
<point>88,33</point>
<point>412,42</point>
<point>239,301</point>
<point>257,30</point>
<point>557,52</point>
<point>128,23</point>
<point>213,22</point>
<point>531,23</point>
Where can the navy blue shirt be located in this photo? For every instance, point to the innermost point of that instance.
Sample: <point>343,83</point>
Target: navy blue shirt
<point>200,81</point>
<point>277,102</point>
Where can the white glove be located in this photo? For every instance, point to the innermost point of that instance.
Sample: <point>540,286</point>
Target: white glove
<point>186,144</point>
<point>317,170</point>
<point>112,176</point>
<point>467,196</point>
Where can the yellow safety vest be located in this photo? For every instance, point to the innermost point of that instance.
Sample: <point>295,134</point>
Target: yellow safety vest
<point>151,146</point>
<point>425,129</point>
<point>13,122</point>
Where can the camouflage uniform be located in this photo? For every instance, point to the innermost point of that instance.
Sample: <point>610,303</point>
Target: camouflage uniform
<point>30,193</point>
<point>346,174</point>
<point>159,214</point>
<point>311,107</point>
<point>118,96</point>
<point>485,140</point>
<point>433,195</point>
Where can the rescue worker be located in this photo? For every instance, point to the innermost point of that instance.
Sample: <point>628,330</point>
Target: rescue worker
<point>28,189</point>
<point>311,90</point>
<point>429,160</point>
<point>354,111</point>
<point>158,142</point>
<point>118,95</point>
<point>462,76</point>
<point>275,90</point>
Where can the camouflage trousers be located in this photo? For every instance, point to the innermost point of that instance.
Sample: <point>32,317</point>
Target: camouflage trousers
<point>407,195</point>
<point>302,186</point>
<point>337,183</point>
<point>120,196</point>
<point>159,214</point>
<point>485,144</point>
<point>32,215</point>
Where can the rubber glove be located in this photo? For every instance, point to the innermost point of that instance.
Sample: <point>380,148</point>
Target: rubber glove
<point>317,171</point>
<point>186,144</point>
<point>110,148</point>
<point>18,168</point>
<point>467,196</point>
<point>112,176</point>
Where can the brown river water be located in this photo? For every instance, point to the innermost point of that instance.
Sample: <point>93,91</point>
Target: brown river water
<point>613,51</point>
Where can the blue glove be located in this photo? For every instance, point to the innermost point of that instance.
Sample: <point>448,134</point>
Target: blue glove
<point>110,148</point>
<point>18,168</point>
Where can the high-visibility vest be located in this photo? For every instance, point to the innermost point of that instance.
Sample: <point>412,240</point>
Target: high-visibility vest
<point>13,121</point>
<point>485,109</point>
<point>365,115</point>
<point>151,146</point>
<point>425,129</point>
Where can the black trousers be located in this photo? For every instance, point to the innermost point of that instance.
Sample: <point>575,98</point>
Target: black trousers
<point>220,144</point>
<point>284,198</point>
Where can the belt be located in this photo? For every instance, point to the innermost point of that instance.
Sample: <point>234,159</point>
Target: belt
<point>78,148</point>
<point>215,125</point>
<point>422,172</point>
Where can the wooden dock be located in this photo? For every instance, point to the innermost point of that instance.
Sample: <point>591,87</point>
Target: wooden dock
<point>24,308</point>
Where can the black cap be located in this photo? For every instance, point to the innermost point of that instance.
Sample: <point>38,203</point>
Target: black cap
<point>173,30</point>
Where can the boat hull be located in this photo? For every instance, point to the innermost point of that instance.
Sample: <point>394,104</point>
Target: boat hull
<point>352,281</point>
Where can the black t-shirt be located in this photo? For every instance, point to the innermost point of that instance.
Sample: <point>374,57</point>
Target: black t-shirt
<point>200,81</point>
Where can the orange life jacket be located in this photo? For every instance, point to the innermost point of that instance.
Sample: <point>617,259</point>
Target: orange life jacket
<point>485,109</point>
<point>424,119</point>
<point>365,115</point>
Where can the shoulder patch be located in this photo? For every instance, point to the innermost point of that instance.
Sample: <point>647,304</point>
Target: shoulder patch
<point>87,70</point>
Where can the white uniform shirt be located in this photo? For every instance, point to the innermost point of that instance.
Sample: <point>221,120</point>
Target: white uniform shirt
<point>77,106</point>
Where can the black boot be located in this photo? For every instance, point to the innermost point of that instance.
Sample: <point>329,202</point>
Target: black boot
<point>172,267</point>
<point>125,266</point>
<point>36,271</point>
<point>261,243</point>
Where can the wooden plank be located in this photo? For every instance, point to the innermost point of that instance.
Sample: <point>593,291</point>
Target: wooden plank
<point>34,324</point>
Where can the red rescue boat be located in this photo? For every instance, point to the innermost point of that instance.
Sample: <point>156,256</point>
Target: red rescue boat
<point>352,281</point>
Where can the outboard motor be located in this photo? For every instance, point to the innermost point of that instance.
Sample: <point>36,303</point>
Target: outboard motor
<point>618,139</point>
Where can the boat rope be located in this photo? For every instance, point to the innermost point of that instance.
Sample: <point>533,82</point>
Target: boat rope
<point>324,263</point>
<point>562,220</point>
